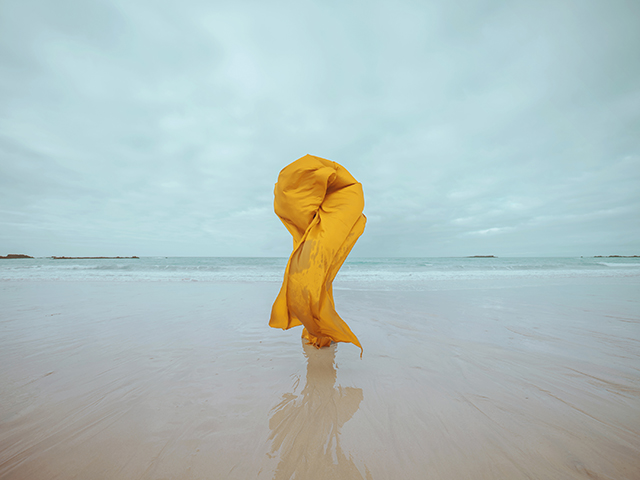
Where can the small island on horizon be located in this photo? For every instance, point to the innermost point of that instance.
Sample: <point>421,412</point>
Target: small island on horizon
<point>481,256</point>
<point>21,255</point>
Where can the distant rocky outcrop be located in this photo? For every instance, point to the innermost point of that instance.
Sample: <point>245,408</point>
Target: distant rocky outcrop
<point>482,256</point>
<point>15,255</point>
<point>616,256</point>
<point>92,258</point>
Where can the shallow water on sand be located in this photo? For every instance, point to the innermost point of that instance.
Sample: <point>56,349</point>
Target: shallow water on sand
<point>496,379</point>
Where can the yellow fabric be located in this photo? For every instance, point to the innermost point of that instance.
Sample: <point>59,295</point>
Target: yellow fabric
<point>321,205</point>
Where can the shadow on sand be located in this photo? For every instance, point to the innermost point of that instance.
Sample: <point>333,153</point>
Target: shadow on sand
<point>305,428</point>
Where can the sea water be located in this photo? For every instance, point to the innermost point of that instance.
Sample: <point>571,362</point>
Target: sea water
<point>386,273</point>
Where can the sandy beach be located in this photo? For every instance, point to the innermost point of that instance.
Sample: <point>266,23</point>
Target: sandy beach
<point>527,379</point>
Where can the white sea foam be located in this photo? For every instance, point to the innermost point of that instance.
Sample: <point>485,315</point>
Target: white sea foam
<point>621,265</point>
<point>379,273</point>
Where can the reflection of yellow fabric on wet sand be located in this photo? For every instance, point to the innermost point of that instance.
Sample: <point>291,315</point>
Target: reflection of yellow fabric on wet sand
<point>305,427</point>
<point>321,205</point>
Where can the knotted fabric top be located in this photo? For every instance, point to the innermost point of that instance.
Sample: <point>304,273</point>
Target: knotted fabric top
<point>321,205</point>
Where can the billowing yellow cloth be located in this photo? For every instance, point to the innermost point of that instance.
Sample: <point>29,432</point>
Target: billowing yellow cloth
<point>321,205</point>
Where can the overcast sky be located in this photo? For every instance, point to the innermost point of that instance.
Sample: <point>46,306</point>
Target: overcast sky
<point>154,127</point>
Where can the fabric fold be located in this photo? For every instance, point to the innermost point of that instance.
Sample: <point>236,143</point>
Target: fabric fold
<point>321,205</point>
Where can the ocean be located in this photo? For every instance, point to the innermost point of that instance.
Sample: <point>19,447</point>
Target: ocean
<point>375,273</point>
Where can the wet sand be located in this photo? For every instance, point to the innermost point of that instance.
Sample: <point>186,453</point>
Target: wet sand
<point>134,380</point>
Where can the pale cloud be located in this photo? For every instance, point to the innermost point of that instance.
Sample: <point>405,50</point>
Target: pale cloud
<point>490,231</point>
